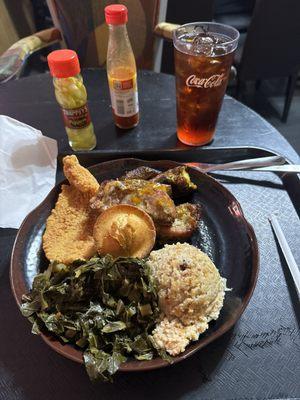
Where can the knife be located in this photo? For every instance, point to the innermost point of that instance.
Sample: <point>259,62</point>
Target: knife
<point>289,258</point>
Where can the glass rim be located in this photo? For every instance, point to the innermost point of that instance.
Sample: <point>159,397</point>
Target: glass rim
<point>237,33</point>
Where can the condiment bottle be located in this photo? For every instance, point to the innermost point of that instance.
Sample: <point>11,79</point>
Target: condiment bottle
<point>121,69</point>
<point>71,95</point>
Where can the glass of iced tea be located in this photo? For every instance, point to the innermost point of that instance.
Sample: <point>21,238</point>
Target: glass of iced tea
<point>203,57</point>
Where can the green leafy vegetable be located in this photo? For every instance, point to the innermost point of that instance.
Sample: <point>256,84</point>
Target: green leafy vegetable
<point>107,307</point>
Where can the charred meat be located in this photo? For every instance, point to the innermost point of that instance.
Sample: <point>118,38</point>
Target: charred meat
<point>144,173</point>
<point>178,178</point>
<point>152,197</point>
<point>186,221</point>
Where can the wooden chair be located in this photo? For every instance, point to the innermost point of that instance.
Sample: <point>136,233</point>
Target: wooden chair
<point>271,47</point>
<point>80,25</point>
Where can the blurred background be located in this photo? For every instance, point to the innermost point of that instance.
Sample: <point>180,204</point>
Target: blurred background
<point>266,68</point>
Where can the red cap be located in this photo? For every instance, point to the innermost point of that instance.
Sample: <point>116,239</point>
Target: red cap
<point>116,14</point>
<point>63,63</point>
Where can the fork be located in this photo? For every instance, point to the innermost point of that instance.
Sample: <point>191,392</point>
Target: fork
<point>249,164</point>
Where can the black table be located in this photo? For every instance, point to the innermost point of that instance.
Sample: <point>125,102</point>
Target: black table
<point>242,364</point>
<point>32,101</point>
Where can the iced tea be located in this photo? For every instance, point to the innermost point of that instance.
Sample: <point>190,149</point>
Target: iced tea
<point>203,58</point>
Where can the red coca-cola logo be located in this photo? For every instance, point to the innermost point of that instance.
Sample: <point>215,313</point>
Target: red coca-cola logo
<point>211,82</point>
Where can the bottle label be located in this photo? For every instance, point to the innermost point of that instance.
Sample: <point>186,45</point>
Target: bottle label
<point>124,97</point>
<point>76,118</point>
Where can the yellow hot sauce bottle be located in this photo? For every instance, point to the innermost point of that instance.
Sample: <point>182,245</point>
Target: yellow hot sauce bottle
<point>71,95</point>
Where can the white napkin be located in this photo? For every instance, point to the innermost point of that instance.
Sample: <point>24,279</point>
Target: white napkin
<point>27,170</point>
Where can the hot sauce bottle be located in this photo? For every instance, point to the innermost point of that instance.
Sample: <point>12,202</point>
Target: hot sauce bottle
<point>71,95</point>
<point>121,69</point>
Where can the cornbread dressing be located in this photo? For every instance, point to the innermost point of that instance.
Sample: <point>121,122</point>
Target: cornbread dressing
<point>191,294</point>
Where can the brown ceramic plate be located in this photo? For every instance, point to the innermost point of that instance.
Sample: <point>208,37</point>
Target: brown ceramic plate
<point>224,234</point>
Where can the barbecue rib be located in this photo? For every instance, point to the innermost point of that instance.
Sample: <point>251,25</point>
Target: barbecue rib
<point>150,196</point>
<point>177,177</point>
<point>185,224</point>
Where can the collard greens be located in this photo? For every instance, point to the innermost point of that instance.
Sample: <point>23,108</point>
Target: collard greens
<point>106,307</point>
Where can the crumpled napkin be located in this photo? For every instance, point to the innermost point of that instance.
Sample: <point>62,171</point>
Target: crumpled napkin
<point>27,170</point>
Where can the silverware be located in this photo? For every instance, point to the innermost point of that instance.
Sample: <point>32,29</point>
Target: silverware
<point>286,252</point>
<point>288,169</point>
<point>263,164</point>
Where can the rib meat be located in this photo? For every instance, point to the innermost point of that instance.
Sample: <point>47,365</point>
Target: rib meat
<point>185,223</point>
<point>152,197</point>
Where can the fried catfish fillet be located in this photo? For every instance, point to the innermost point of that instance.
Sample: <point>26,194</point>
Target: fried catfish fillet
<point>185,224</point>
<point>69,228</point>
<point>152,197</point>
<point>80,177</point>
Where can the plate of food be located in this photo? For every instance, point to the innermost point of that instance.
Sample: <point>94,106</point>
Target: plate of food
<point>133,265</point>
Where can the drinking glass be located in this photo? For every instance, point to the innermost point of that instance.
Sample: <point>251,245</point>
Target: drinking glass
<point>203,58</point>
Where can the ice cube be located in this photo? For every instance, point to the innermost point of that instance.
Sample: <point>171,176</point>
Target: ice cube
<point>220,50</point>
<point>203,44</point>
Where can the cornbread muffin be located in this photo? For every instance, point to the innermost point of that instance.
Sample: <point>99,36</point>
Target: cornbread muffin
<point>124,231</point>
<point>191,293</point>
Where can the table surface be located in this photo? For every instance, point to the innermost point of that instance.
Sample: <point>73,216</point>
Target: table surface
<point>31,100</point>
<point>30,370</point>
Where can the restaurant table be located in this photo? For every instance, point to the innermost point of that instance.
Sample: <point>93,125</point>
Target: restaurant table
<point>259,358</point>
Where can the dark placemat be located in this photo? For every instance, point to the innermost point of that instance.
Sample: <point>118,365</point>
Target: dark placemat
<point>258,359</point>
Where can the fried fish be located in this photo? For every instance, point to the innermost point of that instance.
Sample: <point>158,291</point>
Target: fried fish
<point>69,228</point>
